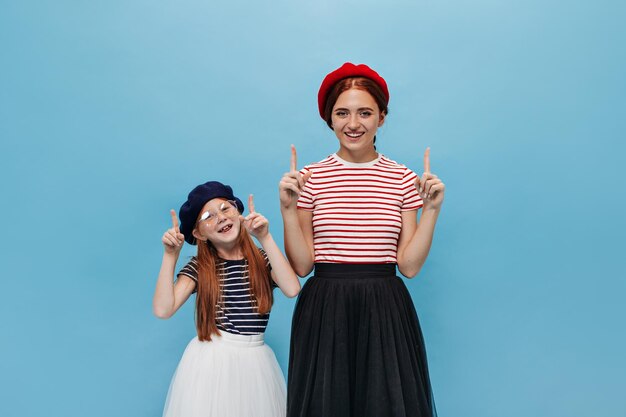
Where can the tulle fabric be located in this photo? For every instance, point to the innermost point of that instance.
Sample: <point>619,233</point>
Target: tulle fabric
<point>356,347</point>
<point>230,376</point>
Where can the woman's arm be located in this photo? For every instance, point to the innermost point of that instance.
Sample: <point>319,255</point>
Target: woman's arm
<point>298,229</point>
<point>415,241</point>
<point>297,224</point>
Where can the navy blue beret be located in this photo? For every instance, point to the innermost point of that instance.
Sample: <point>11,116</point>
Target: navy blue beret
<point>197,198</point>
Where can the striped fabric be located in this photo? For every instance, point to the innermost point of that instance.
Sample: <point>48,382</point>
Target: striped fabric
<point>237,313</point>
<point>357,208</point>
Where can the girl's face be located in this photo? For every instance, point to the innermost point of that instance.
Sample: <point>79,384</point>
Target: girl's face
<point>218,222</point>
<point>355,120</point>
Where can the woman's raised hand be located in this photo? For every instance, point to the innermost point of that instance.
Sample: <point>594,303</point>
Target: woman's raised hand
<point>255,223</point>
<point>430,187</point>
<point>291,183</point>
<point>172,239</point>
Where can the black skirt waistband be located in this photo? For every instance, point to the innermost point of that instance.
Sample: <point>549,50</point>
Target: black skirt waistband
<point>330,270</point>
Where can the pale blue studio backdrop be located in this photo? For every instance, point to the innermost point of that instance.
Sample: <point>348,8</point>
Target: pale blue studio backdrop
<point>111,111</point>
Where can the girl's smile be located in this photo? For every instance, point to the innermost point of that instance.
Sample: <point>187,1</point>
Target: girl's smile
<point>221,226</point>
<point>225,229</point>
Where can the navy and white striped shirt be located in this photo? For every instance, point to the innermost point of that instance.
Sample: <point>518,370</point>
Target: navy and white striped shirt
<point>237,313</point>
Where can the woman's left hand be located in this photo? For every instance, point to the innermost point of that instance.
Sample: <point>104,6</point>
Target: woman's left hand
<point>430,187</point>
<point>255,223</point>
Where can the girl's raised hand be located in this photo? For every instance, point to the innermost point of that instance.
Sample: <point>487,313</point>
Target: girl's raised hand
<point>292,182</point>
<point>172,239</point>
<point>430,187</point>
<point>255,223</point>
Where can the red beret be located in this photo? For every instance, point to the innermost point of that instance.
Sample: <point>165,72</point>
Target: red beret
<point>345,71</point>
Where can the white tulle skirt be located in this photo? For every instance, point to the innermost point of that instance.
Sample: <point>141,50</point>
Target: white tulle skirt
<point>230,376</point>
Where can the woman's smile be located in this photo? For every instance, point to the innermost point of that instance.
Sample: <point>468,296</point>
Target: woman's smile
<point>354,135</point>
<point>355,120</point>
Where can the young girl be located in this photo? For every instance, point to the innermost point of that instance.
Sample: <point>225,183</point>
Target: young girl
<point>226,370</point>
<point>356,343</point>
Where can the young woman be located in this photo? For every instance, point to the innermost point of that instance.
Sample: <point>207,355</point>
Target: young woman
<point>356,344</point>
<point>227,370</point>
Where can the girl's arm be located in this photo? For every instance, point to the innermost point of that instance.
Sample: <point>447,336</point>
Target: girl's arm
<point>282,273</point>
<point>168,297</point>
<point>297,224</point>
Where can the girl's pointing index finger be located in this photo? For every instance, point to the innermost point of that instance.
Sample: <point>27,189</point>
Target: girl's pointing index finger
<point>251,203</point>
<point>174,219</point>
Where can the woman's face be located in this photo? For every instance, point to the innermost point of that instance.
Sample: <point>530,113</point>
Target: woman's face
<point>218,222</point>
<point>355,120</point>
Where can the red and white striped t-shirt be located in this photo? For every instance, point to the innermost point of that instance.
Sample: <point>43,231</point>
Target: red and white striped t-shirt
<point>357,208</point>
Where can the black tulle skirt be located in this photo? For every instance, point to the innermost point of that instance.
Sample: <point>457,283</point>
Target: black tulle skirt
<point>356,347</point>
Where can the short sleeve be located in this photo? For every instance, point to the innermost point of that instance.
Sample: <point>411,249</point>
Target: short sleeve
<point>305,201</point>
<point>411,199</point>
<point>267,260</point>
<point>191,269</point>
<point>269,268</point>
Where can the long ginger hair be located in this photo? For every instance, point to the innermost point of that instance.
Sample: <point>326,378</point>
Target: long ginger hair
<point>209,291</point>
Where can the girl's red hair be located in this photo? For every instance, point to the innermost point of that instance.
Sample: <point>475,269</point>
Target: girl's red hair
<point>209,290</point>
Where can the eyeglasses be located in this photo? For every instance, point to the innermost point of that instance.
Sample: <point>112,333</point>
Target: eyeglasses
<point>228,209</point>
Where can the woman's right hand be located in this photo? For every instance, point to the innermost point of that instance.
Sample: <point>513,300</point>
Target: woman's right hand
<point>291,183</point>
<point>172,239</point>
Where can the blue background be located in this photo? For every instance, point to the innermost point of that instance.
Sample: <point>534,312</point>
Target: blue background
<point>111,111</point>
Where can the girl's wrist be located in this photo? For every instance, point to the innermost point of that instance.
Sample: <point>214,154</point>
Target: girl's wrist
<point>171,255</point>
<point>265,239</point>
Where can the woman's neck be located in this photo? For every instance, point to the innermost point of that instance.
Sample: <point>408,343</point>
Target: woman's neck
<point>365,155</point>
